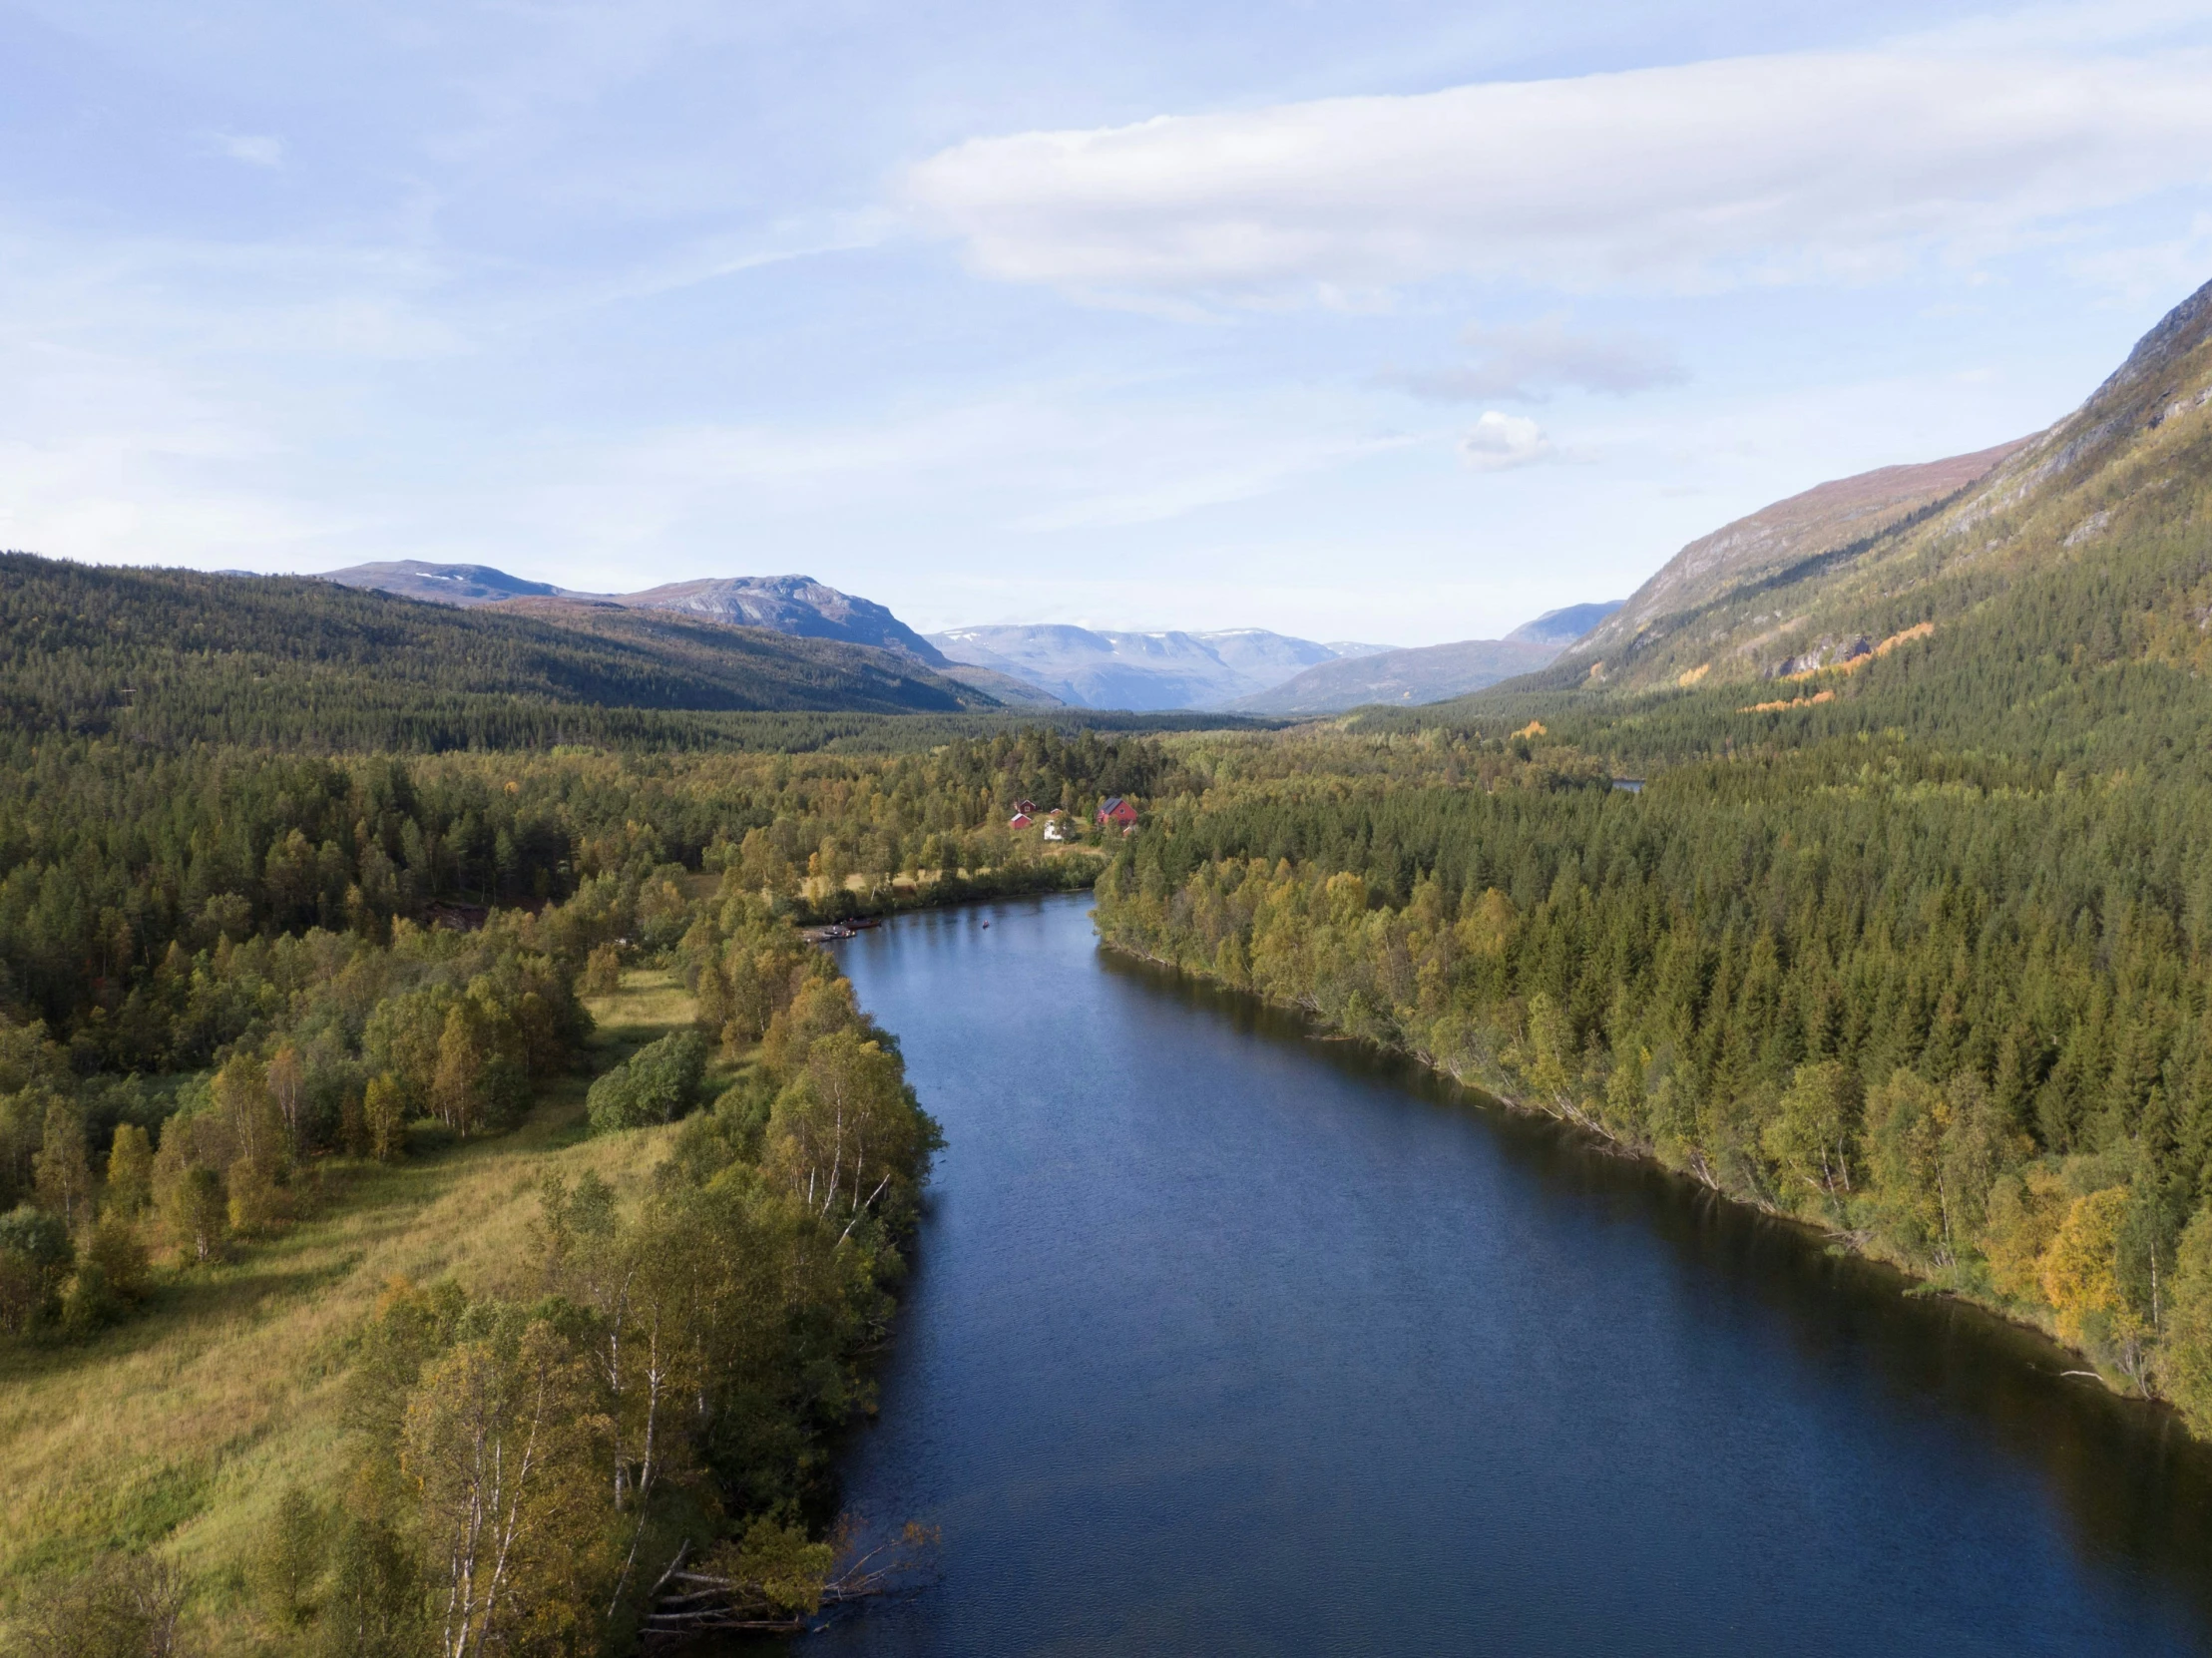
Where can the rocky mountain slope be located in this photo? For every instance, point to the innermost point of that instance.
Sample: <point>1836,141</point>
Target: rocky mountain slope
<point>464,585</point>
<point>795,604</point>
<point>1789,542</point>
<point>1838,577</point>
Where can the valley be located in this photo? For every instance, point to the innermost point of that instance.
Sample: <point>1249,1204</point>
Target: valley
<point>387,975</point>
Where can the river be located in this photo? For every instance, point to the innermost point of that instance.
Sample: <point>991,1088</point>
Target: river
<point>1224,1339</point>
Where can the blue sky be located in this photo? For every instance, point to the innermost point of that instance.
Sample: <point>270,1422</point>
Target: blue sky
<point>1383,320</point>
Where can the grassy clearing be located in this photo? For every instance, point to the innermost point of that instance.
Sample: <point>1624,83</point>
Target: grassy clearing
<point>183,1427</point>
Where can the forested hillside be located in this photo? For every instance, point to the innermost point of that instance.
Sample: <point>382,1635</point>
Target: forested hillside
<point>172,656</point>
<point>1913,942</point>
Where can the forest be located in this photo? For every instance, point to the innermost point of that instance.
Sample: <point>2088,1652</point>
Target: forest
<point>250,989</point>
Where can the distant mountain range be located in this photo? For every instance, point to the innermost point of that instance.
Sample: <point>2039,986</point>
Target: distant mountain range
<point>1245,669</point>
<point>795,604</point>
<point>172,655</point>
<point>1141,671</point>
<point>1902,559</point>
<point>1427,673</point>
<point>1561,627</point>
<point>464,585</point>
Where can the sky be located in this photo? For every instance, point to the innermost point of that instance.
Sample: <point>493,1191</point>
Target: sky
<point>1385,322</point>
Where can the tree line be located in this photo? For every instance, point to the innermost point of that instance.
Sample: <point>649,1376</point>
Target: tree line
<point>121,866</point>
<point>1953,1008</point>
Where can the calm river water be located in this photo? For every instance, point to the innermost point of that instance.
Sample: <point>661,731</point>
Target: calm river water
<point>1227,1339</point>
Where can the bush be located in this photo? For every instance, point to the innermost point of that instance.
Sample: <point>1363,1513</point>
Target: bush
<point>110,1276</point>
<point>123,1607</point>
<point>603,972</point>
<point>655,1084</point>
<point>35,1256</point>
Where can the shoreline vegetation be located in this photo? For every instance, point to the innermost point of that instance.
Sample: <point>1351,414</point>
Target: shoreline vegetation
<point>1807,995</point>
<point>1602,1139</point>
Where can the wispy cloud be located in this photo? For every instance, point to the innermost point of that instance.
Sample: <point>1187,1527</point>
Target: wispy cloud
<point>1525,363</point>
<point>1502,442</point>
<point>254,149</point>
<point>1752,169</point>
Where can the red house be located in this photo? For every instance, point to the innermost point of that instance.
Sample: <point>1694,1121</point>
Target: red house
<point>1019,820</point>
<point>1118,810</point>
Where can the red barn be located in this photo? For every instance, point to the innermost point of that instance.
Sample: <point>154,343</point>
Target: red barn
<point>1118,810</point>
<point>1019,820</point>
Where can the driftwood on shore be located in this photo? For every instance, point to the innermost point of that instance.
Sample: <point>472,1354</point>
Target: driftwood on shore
<point>736,1596</point>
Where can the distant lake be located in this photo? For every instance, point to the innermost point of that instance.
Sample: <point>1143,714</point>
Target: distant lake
<point>1227,1339</point>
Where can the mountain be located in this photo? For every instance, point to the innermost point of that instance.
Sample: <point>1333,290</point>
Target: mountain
<point>1781,547</point>
<point>1780,542</point>
<point>438,584</point>
<point>2011,549</point>
<point>1019,667</point>
<point>1561,627</point>
<point>1426,674</point>
<point>1137,670</point>
<point>171,655</point>
<point>795,604</point>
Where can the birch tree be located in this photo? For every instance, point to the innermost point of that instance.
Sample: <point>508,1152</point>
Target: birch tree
<point>500,1441</point>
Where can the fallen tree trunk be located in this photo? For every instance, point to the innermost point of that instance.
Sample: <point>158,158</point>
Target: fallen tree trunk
<point>734,1598</point>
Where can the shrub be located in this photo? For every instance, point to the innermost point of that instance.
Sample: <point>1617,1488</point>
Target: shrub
<point>35,1256</point>
<point>655,1084</point>
<point>603,972</point>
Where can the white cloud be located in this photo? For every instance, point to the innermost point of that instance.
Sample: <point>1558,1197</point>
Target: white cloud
<point>1500,442</point>
<point>1527,362</point>
<point>1746,169</point>
<point>254,149</point>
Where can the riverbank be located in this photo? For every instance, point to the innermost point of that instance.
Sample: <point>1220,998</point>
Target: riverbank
<point>1493,1082</point>
<point>1077,868</point>
<point>1230,1339</point>
<point>282,1401</point>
